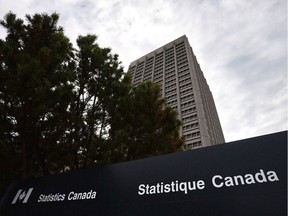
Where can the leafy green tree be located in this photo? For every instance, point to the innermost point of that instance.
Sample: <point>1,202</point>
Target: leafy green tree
<point>146,126</point>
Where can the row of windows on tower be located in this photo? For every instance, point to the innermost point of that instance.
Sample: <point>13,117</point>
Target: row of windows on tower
<point>190,127</point>
<point>170,62</point>
<point>169,73</point>
<point>158,74</point>
<point>188,111</point>
<point>172,89</point>
<point>192,145</point>
<point>160,67</point>
<point>184,97</point>
<point>172,78</point>
<point>191,136</point>
<point>189,118</point>
<point>185,101</point>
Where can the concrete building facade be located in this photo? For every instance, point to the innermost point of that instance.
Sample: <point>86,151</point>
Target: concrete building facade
<point>175,68</point>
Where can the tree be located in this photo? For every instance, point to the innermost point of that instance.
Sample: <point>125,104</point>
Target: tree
<point>146,126</point>
<point>97,88</point>
<point>65,108</point>
<point>35,91</point>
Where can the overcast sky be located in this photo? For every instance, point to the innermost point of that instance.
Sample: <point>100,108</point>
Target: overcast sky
<point>241,46</point>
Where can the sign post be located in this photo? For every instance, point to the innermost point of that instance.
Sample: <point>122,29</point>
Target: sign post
<point>247,177</point>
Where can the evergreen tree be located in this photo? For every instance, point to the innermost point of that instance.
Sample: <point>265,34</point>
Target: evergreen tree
<point>35,92</point>
<point>98,84</point>
<point>63,108</point>
<point>146,126</point>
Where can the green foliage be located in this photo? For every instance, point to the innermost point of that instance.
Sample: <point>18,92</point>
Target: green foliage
<point>65,108</point>
<point>145,126</point>
<point>35,90</point>
<point>97,87</point>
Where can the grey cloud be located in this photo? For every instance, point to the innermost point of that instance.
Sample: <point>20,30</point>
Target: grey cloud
<point>241,46</point>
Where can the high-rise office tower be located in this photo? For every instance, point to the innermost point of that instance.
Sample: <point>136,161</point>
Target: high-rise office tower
<point>175,68</point>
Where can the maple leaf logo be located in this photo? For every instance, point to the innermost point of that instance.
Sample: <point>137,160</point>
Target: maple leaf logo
<point>22,196</point>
